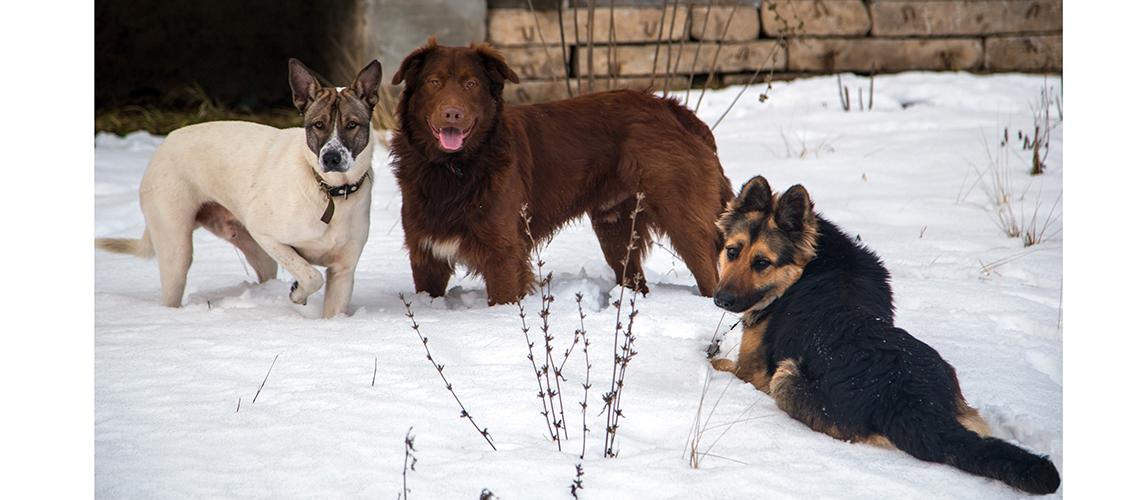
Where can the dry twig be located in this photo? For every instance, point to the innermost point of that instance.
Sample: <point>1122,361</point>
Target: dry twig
<point>483,431</point>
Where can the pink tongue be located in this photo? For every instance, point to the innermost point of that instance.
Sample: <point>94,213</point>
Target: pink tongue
<point>451,138</point>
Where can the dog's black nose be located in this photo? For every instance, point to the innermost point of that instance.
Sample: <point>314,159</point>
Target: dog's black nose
<point>332,159</point>
<point>453,114</point>
<point>724,299</point>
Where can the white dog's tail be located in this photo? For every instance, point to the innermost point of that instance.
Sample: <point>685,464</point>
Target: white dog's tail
<point>138,248</point>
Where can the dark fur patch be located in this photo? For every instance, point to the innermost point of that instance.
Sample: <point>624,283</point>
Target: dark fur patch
<point>326,110</point>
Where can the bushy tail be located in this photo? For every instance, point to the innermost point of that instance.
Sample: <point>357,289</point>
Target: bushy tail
<point>139,248</point>
<point>984,456</point>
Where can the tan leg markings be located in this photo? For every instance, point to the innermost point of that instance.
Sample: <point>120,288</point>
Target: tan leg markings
<point>877,440</point>
<point>724,365</point>
<point>972,420</point>
<point>748,366</point>
<point>784,370</point>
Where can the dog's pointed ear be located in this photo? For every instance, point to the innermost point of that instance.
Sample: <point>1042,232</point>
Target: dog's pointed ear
<point>304,84</point>
<point>495,65</point>
<point>755,196</point>
<point>413,62</point>
<point>366,84</point>
<point>794,210</point>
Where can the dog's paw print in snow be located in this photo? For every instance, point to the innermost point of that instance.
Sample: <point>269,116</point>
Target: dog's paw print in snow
<point>246,295</point>
<point>1047,364</point>
<point>1024,429</point>
<point>595,290</point>
<point>460,297</point>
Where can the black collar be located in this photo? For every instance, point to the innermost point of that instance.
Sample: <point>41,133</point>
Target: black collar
<point>346,190</point>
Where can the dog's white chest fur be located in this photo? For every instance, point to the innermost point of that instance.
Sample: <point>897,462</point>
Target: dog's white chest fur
<point>442,249</point>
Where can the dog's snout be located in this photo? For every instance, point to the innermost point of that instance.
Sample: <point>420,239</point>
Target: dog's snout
<point>332,159</point>
<point>453,114</point>
<point>724,299</point>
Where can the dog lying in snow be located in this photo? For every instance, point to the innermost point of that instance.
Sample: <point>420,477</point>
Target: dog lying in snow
<point>820,339</point>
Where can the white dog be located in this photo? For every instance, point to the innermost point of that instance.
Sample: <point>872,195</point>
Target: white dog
<point>296,197</point>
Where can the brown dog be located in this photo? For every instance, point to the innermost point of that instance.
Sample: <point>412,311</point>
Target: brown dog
<point>467,163</point>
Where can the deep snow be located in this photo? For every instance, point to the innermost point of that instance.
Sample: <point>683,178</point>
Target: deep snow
<point>901,176</point>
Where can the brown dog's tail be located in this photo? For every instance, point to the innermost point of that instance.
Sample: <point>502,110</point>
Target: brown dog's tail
<point>139,248</point>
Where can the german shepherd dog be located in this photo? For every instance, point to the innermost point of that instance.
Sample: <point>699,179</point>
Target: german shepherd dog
<point>820,339</point>
<point>466,163</point>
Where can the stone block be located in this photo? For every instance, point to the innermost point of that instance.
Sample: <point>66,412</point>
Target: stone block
<point>814,17</point>
<point>884,55</point>
<point>965,17</point>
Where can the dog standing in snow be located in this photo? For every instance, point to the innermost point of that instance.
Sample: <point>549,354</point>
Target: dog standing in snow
<point>298,197</point>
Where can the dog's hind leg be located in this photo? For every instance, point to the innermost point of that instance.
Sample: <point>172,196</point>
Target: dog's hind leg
<point>225,225</point>
<point>172,237</point>
<point>792,394</point>
<point>261,262</point>
<point>972,420</point>
<point>613,229</point>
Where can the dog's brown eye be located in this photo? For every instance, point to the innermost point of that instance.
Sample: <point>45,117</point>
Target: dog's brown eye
<point>731,253</point>
<point>351,125</point>
<point>435,82</point>
<point>470,84</point>
<point>761,264</point>
<point>318,125</point>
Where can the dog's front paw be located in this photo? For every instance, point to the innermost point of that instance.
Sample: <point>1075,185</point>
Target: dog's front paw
<point>724,365</point>
<point>297,296</point>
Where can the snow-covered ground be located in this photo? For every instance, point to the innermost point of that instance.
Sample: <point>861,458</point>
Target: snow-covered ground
<point>904,176</point>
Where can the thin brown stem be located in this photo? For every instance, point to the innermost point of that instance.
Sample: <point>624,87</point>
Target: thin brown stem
<point>713,62</point>
<point>542,392</point>
<point>697,50</point>
<point>483,431</point>
<point>409,461</point>
<point>622,355</point>
<point>540,34</point>
<point>587,374</point>
<point>591,46</point>
<point>612,49</point>
<point>546,299</point>
<point>768,79</point>
<point>262,382</point>
<point>657,46</point>
<point>669,48</point>
<point>563,45</point>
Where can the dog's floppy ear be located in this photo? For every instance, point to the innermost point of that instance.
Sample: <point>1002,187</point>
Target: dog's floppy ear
<point>495,65</point>
<point>794,210</point>
<point>366,84</point>
<point>413,62</point>
<point>304,84</point>
<point>755,196</point>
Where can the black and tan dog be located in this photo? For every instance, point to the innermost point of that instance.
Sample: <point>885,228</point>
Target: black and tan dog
<point>820,339</point>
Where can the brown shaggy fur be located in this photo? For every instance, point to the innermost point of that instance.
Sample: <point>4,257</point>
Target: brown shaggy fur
<point>586,155</point>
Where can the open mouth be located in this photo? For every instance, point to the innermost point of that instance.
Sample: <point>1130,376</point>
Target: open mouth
<point>451,138</point>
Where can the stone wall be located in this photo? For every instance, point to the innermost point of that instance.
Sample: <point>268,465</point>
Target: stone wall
<point>729,40</point>
<point>235,53</point>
